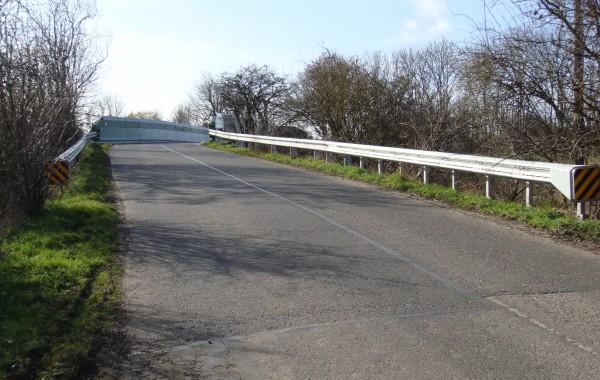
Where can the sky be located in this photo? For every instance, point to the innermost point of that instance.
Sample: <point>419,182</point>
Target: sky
<point>159,49</point>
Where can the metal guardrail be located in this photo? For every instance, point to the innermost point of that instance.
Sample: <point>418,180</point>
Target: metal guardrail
<point>71,154</point>
<point>579,183</point>
<point>58,169</point>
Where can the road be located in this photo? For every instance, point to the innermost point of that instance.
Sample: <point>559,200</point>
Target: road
<point>242,268</point>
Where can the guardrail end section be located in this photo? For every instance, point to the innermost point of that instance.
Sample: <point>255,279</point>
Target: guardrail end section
<point>57,172</point>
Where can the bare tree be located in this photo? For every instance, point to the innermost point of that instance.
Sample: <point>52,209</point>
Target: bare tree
<point>354,99</point>
<point>48,61</point>
<point>108,105</point>
<point>406,101</point>
<point>255,96</point>
<point>433,112</point>
<point>327,96</point>
<point>148,114</point>
<point>183,114</point>
<point>206,99</point>
<point>546,65</point>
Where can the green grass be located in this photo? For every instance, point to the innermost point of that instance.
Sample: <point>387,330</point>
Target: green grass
<point>543,217</point>
<point>59,279</point>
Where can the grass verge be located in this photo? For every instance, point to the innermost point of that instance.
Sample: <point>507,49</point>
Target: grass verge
<point>543,217</point>
<point>59,279</point>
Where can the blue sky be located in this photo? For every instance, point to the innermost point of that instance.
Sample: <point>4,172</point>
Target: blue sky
<point>159,48</point>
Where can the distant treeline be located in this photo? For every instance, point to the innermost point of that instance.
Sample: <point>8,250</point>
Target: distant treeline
<point>527,90</point>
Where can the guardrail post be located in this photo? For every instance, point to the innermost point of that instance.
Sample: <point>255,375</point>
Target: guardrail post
<point>293,152</point>
<point>315,154</point>
<point>327,156</point>
<point>454,180</point>
<point>528,194</point>
<point>273,149</point>
<point>380,166</point>
<point>425,174</point>
<point>347,160</point>
<point>362,162</point>
<point>488,186</point>
<point>581,215</point>
<point>400,167</point>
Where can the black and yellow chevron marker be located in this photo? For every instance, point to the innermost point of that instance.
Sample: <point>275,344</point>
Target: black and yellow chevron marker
<point>586,183</point>
<point>57,172</point>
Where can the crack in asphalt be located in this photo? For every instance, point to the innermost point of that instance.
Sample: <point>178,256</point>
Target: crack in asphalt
<point>286,330</point>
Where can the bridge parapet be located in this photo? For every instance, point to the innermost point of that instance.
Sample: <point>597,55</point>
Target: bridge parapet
<point>123,129</point>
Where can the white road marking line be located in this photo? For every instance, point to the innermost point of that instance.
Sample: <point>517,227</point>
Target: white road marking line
<point>423,269</point>
<point>543,326</point>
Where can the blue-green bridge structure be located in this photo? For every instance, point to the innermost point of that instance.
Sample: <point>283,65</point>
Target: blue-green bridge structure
<point>123,129</point>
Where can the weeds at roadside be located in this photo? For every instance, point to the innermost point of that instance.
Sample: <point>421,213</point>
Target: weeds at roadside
<point>59,279</point>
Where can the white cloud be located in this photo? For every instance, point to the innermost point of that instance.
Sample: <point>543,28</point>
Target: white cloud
<point>438,28</point>
<point>431,8</point>
<point>431,20</point>
<point>435,14</point>
<point>408,35</point>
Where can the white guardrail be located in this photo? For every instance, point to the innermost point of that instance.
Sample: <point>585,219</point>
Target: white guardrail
<point>71,154</point>
<point>579,183</point>
<point>57,170</point>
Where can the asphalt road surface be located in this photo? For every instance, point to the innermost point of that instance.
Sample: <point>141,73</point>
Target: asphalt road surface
<point>237,268</point>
